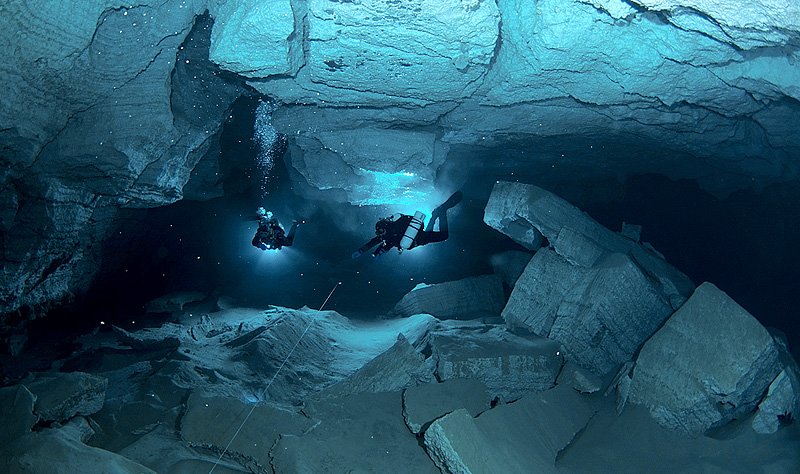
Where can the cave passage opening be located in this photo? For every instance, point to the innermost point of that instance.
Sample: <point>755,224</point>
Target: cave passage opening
<point>744,243</point>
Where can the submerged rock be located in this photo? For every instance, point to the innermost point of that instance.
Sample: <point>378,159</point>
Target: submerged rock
<point>598,293</point>
<point>781,404</point>
<point>60,396</point>
<point>246,430</point>
<point>508,364</point>
<point>468,298</point>
<point>711,362</point>
<point>423,404</point>
<point>358,433</point>
<point>63,451</point>
<point>401,366</point>
<point>524,436</point>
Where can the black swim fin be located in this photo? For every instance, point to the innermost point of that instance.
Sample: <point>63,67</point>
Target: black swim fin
<point>452,201</point>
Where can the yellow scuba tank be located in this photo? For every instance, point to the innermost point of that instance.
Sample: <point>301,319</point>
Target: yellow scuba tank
<point>412,230</point>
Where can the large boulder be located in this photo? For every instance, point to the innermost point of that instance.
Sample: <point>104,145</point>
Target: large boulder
<point>597,292</point>
<point>601,315</point>
<point>711,362</point>
<point>16,412</point>
<point>781,404</point>
<point>574,235</point>
<point>468,298</point>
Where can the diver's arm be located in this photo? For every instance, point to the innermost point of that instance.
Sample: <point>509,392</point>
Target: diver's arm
<point>373,242</point>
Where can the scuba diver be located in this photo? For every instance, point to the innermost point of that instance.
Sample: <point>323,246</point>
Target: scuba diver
<point>405,232</point>
<point>270,234</point>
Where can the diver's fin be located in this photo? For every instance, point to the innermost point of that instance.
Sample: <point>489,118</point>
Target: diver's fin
<point>452,201</point>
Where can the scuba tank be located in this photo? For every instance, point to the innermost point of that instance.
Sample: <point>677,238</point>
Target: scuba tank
<point>412,230</point>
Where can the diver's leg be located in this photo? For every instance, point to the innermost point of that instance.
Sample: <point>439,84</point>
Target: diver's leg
<point>440,213</point>
<point>289,240</point>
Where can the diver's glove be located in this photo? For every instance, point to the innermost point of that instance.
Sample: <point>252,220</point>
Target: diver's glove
<point>356,254</point>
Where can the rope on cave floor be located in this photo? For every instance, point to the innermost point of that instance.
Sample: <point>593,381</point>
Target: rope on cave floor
<point>264,392</point>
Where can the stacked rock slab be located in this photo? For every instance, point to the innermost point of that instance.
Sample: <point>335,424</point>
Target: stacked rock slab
<point>525,436</point>
<point>598,293</point>
<point>462,299</point>
<point>711,362</point>
<point>509,365</point>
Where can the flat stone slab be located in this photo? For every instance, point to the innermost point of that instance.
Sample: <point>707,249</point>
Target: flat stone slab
<point>60,396</point>
<point>425,403</point>
<point>524,436</point>
<point>574,235</point>
<point>216,422</point>
<point>468,298</point>
<point>358,433</point>
<point>711,362</point>
<point>509,365</point>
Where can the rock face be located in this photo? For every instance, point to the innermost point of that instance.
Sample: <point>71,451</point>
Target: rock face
<point>710,362</point>
<point>104,110</point>
<point>689,88</point>
<point>463,299</point>
<point>598,293</point>
<point>115,106</point>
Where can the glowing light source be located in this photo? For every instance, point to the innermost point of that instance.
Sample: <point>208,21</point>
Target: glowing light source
<point>404,191</point>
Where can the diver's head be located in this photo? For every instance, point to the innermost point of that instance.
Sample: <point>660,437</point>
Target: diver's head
<point>261,211</point>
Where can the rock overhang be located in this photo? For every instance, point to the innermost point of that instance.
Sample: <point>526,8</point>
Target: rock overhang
<point>710,87</point>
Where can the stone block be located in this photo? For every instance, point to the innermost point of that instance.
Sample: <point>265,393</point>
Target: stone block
<point>423,404</point>
<point>462,299</point>
<point>524,436</point>
<point>711,362</point>
<point>509,365</point>
<point>601,314</point>
<point>248,432</point>
<point>358,433</point>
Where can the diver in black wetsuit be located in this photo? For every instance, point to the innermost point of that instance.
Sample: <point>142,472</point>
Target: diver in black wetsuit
<point>404,232</point>
<point>270,234</point>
